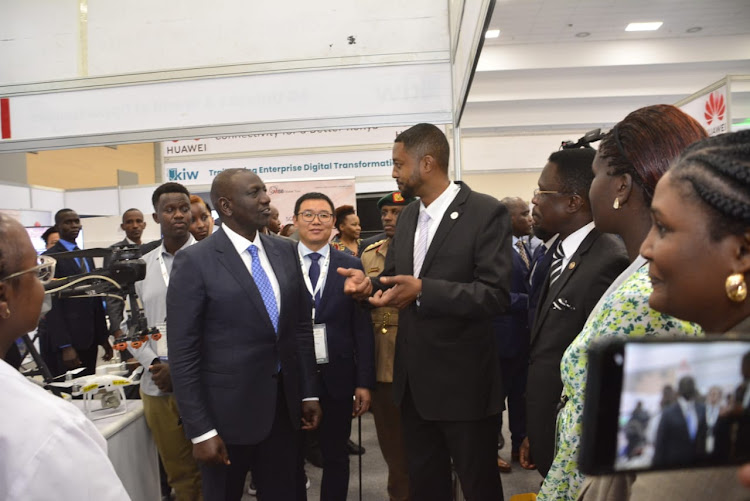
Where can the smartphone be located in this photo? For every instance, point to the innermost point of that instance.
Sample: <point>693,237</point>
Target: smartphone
<point>666,403</point>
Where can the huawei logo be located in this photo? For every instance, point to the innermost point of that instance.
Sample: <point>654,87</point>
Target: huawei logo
<point>715,108</point>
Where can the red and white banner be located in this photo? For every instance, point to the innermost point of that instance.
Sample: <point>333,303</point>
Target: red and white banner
<point>711,110</point>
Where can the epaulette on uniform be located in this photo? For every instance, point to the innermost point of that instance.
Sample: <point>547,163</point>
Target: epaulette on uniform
<point>375,245</point>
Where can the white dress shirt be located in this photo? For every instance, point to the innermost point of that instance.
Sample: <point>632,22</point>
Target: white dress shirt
<point>50,450</point>
<point>573,241</point>
<point>152,291</point>
<point>241,244</point>
<point>322,262</point>
<point>436,210</point>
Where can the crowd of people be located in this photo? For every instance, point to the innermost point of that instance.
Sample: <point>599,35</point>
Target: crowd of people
<point>463,303</point>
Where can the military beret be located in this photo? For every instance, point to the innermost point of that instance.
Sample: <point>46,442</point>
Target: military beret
<point>394,198</point>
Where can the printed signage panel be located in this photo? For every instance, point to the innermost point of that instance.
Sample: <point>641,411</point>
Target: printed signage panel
<point>711,111</point>
<point>344,164</point>
<point>280,141</point>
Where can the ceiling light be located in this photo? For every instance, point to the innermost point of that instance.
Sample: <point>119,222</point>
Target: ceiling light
<point>583,34</point>
<point>694,29</point>
<point>492,34</point>
<point>644,26</point>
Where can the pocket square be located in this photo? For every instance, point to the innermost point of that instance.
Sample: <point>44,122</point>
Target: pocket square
<point>562,304</point>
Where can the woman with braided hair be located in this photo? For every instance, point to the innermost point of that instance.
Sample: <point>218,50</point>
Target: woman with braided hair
<point>631,159</point>
<point>698,249</point>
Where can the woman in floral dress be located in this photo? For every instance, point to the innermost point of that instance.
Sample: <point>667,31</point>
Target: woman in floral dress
<point>631,159</point>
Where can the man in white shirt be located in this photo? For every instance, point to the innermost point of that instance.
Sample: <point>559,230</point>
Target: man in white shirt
<point>172,214</point>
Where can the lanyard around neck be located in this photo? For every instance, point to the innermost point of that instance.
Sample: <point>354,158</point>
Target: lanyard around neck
<point>321,278</point>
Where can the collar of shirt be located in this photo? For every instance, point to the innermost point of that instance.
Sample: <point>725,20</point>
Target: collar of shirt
<point>515,243</point>
<point>687,406</point>
<point>437,209</point>
<point>549,243</point>
<point>241,244</point>
<point>574,240</point>
<point>168,258</point>
<point>323,251</point>
<point>130,242</point>
<point>68,245</point>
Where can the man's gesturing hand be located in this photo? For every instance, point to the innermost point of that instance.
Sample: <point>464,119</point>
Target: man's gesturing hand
<point>356,284</point>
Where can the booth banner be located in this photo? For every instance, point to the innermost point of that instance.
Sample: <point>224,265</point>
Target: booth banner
<point>347,164</point>
<point>711,110</point>
<point>280,141</point>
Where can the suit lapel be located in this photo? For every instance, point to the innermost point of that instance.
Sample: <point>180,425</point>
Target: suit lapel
<point>452,214</point>
<point>228,257</point>
<point>406,259</point>
<point>548,295</point>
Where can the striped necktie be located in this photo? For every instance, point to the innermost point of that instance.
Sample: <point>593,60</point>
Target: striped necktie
<point>555,269</point>
<point>420,250</point>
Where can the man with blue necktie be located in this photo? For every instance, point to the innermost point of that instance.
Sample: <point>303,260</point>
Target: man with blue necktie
<point>343,339</point>
<point>681,436</point>
<point>241,347</point>
<point>73,330</point>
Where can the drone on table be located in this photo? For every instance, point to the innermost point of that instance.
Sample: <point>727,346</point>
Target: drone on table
<point>107,387</point>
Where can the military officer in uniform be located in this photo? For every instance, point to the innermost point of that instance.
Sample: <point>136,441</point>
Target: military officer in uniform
<point>385,322</point>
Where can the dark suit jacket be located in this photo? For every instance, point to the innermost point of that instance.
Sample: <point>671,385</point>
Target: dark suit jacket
<point>537,279</point>
<point>79,322</point>
<point>223,350</point>
<point>596,263</point>
<point>673,445</point>
<point>445,348</point>
<point>512,329</point>
<point>349,329</point>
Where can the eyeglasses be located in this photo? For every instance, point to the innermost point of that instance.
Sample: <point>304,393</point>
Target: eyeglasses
<point>538,192</point>
<point>309,216</point>
<point>45,270</point>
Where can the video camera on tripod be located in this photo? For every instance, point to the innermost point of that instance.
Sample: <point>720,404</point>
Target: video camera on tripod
<point>116,281</point>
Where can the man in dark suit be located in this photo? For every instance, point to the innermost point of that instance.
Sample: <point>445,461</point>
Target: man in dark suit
<point>448,271</point>
<point>681,436</point>
<point>74,328</point>
<point>241,347</point>
<point>512,329</point>
<point>347,365</point>
<point>584,264</point>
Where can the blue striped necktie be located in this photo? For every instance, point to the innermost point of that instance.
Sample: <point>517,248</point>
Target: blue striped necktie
<point>264,287</point>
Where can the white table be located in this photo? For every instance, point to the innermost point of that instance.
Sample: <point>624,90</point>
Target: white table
<point>132,451</point>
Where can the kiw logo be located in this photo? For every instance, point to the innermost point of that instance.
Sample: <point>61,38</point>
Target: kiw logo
<point>182,175</point>
<point>715,108</point>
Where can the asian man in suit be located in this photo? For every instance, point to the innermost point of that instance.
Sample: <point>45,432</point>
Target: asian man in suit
<point>73,330</point>
<point>584,264</point>
<point>347,369</point>
<point>448,271</point>
<point>241,347</point>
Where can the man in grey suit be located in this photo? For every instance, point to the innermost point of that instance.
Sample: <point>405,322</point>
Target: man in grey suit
<point>584,264</point>
<point>448,271</point>
<point>241,347</point>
